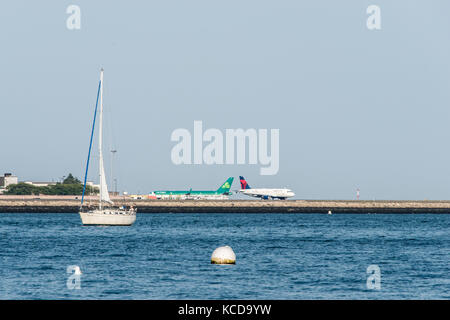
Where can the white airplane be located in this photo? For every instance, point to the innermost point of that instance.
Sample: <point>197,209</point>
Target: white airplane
<point>265,193</point>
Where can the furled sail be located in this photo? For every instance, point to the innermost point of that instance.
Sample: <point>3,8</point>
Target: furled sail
<point>104,195</point>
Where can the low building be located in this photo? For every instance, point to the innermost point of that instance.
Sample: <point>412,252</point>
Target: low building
<point>40,183</point>
<point>92,185</point>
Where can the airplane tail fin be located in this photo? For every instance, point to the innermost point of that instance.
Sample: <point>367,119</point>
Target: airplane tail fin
<point>225,188</point>
<point>244,184</point>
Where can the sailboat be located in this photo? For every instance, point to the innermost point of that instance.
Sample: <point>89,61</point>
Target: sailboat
<point>106,213</point>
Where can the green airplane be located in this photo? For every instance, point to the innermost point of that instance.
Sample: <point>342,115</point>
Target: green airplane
<point>220,193</point>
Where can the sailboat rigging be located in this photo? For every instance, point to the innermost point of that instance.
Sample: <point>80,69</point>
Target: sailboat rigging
<point>106,214</point>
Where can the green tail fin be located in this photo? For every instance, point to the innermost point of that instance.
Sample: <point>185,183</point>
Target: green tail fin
<point>226,186</point>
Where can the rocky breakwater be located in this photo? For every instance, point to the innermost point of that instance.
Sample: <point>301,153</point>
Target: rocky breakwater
<point>71,204</point>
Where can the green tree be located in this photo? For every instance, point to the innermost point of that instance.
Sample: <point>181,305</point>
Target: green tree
<point>70,186</point>
<point>21,189</point>
<point>71,180</point>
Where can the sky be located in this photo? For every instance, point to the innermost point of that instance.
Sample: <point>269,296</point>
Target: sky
<point>355,108</point>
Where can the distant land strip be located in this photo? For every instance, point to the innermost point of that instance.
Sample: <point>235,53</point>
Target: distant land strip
<point>71,205</point>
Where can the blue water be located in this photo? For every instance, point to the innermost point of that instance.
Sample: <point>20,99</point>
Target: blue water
<point>279,256</point>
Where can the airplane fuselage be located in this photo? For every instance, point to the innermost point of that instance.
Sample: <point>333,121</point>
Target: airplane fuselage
<point>191,195</point>
<point>220,194</point>
<point>268,194</point>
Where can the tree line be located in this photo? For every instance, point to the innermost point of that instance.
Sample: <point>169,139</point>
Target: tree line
<point>70,186</point>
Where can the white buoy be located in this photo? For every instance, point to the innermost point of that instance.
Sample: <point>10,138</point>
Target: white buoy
<point>223,255</point>
<point>329,212</point>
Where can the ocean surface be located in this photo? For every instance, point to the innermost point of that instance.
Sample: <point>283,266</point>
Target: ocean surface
<point>278,256</point>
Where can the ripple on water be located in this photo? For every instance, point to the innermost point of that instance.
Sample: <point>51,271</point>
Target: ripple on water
<point>165,256</point>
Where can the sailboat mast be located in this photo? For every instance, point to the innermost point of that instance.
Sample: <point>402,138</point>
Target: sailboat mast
<point>100,137</point>
<point>90,145</point>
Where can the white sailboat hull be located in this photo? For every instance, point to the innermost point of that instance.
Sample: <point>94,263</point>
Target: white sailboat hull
<point>108,217</point>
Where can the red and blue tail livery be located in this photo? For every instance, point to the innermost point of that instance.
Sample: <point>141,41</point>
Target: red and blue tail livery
<point>244,184</point>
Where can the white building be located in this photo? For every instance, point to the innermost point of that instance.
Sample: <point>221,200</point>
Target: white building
<point>8,179</point>
<point>40,183</point>
<point>91,184</point>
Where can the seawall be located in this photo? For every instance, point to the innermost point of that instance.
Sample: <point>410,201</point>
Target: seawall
<point>66,205</point>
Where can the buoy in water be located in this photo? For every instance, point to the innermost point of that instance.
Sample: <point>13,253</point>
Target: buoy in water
<point>329,212</point>
<point>223,255</point>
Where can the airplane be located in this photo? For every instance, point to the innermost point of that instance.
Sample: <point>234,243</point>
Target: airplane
<point>264,193</point>
<point>220,194</point>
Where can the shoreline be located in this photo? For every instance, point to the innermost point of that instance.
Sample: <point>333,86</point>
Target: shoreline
<point>71,205</point>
